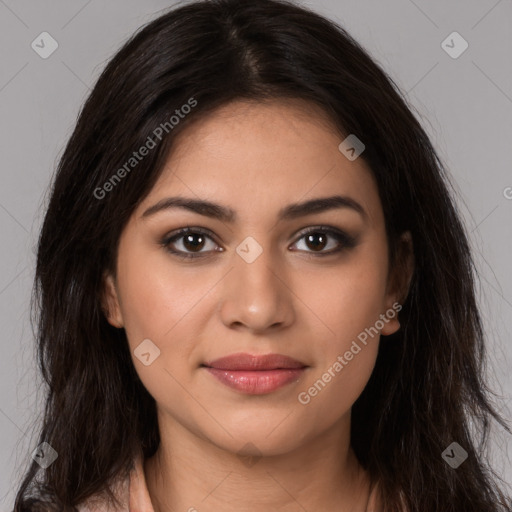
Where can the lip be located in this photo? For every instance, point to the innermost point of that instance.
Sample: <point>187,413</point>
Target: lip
<point>255,374</point>
<point>255,362</point>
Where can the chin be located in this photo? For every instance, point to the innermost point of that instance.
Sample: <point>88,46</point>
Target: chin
<point>258,439</point>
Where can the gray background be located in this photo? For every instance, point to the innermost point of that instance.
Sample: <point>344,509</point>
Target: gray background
<point>465,105</point>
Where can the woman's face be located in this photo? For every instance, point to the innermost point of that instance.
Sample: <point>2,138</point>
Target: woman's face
<point>257,283</point>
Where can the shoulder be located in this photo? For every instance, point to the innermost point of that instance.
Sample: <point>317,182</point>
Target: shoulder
<point>99,502</point>
<point>375,500</point>
<point>131,492</point>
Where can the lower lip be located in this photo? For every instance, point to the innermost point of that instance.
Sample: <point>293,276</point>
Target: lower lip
<point>256,382</point>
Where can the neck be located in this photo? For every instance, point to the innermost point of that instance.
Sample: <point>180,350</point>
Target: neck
<point>192,474</point>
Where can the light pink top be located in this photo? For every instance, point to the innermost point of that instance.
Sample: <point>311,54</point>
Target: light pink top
<point>134,496</point>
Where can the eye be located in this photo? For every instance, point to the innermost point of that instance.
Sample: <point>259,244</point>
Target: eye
<point>190,239</point>
<point>189,242</point>
<point>317,239</point>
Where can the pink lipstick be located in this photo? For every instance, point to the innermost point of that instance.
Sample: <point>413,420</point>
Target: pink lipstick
<point>254,374</point>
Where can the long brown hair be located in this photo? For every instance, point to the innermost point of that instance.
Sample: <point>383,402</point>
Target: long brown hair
<point>428,382</point>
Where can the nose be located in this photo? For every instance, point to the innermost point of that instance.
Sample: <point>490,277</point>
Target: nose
<point>257,296</point>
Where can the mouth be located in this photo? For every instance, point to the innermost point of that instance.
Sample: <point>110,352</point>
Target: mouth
<point>255,375</point>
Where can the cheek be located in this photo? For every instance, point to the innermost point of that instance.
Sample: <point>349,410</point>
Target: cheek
<point>349,301</point>
<point>349,298</point>
<point>156,296</point>
<point>169,305</point>
<point>158,303</point>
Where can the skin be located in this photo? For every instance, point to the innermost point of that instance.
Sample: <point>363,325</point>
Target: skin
<point>256,158</point>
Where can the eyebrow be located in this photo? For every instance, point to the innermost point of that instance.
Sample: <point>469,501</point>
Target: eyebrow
<point>228,215</point>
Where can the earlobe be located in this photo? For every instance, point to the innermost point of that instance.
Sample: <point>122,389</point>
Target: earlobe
<point>391,326</point>
<point>110,302</point>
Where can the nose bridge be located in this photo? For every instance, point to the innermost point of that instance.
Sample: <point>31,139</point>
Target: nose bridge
<point>256,295</point>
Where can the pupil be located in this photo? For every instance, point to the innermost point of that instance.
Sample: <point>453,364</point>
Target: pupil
<point>311,238</point>
<point>189,243</point>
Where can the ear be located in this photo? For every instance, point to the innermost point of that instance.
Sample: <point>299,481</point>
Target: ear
<point>110,302</point>
<point>399,282</point>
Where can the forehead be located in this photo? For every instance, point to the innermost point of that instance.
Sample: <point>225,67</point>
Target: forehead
<point>259,156</point>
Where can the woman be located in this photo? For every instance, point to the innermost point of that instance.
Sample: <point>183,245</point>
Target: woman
<point>255,291</point>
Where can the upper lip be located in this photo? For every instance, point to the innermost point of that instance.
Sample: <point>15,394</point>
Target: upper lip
<point>254,362</point>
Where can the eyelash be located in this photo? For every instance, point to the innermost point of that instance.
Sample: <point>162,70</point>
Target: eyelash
<point>346,241</point>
